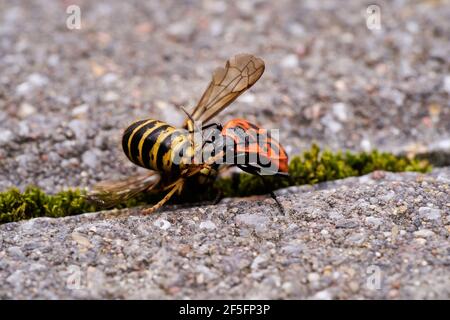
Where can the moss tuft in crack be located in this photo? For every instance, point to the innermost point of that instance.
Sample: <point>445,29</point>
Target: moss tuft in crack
<point>33,202</point>
<point>313,166</point>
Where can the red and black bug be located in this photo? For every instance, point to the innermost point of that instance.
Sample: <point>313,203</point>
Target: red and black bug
<point>250,147</point>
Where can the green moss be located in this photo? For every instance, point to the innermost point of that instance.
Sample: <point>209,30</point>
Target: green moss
<point>311,167</point>
<point>314,166</point>
<point>33,202</point>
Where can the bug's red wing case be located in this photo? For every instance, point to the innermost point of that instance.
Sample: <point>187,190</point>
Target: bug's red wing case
<point>249,138</point>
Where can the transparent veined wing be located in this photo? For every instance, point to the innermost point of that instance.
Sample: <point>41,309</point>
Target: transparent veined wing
<point>239,74</point>
<point>108,194</point>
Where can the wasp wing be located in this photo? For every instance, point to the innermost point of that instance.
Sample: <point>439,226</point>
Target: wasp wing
<point>239,74</point>
<point>108,194</point>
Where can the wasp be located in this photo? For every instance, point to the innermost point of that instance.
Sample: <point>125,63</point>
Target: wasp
<point>168,152</point>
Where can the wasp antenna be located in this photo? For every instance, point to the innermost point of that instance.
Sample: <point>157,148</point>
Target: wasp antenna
<point>187,113</point>
<point>190,118</point>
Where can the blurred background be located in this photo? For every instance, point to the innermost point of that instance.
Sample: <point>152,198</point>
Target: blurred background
<point>335,74</point>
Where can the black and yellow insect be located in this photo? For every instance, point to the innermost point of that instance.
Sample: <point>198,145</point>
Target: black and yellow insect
<point>168,152</point>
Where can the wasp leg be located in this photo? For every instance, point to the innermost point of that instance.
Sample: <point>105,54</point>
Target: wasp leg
<point>177,186</point>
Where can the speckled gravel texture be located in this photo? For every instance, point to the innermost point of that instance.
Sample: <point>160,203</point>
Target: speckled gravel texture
<point>378,236</point>
<point>66,95</point>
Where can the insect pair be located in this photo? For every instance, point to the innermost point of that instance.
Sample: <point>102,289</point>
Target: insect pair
<point>171,154</point>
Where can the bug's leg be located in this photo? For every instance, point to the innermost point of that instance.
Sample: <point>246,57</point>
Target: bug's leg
<point>219,196</point>
<point>266,186</point>
<point>177,186</point>
<point>274,197</point>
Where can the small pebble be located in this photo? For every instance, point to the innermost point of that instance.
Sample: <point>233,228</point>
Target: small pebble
<point>207,225</point>
<point>430,213</point>
<point>162,224</point>
<point>424,233</point>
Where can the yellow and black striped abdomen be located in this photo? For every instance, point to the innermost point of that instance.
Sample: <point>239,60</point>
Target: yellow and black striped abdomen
<point>155,145</point>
